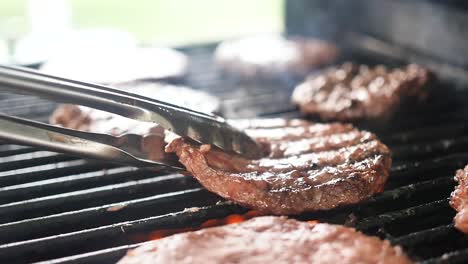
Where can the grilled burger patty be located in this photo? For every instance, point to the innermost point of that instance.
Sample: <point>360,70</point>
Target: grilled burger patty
<point>268,240</point>
<point>268,56</point>
<point>353,91</point>
<point>307,166</point>
<point>459,200</point>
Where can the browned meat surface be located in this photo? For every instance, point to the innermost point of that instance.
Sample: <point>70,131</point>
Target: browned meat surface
<point>268,56</point>
<point>359,92</point>
<point>307,166</point>
<point>88,119</point>
<point>459,200</point>
<point>269,240</point>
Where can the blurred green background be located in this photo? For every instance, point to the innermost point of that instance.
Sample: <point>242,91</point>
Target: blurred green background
<point>156,21</point>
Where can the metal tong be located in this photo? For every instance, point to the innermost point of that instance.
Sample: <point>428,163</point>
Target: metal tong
<point>201,127</point>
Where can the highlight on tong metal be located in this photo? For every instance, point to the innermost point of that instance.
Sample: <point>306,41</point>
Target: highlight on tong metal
<point>201,127</point>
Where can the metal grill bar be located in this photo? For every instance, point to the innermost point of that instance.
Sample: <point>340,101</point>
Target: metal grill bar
<point>111,234</point>
<point>32,159</point>
<point>458,256</point>
<point>435,148</point>
<point>49,171</point>
<point>15,150</point>
<point>425,236</point>
<point>419,170</point>
<point>427,133</point>
<point>68,201</point>
<point>106,255</point>
<point>51,224</point>
<point>431,208</point>
<point>397,199</point>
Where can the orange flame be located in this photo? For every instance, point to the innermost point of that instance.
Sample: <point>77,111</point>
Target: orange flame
<point>231,219</point>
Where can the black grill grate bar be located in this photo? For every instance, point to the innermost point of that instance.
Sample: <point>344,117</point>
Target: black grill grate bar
<point>458,256</point>
<point>402,175</point>
<point>70,200</point>
<point>445,183</point>
<point>39,183</point>
<point>435,148</point>
<point>114,232</point>
<point>99,172</point>
<point>48,171</point>
<point>438,240</point>
<point>425,236</point>
<point>4,145</point>
<point>428,133</point>
<point>16,150</point>
<point>70,183</point>
<point>413,122</point>
<point>447,163</point>
<point>405,194</point>
<point>95,216</point>
<point>432,119</point>
<point>412,189</point>
<point>99,256</point>
<point>397,199</point>
<point>28,156</point>
<point>389,217</point>
<point>32,159</point>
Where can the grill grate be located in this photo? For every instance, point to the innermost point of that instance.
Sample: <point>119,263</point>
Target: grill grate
<point>61,209</point>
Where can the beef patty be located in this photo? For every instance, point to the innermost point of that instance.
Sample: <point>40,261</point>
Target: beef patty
<point>269,56</point>
<point>307,166</point>
<point>269,240</point>
<point>352,91</point>
<point>153,136</point>
<point>459,200</point>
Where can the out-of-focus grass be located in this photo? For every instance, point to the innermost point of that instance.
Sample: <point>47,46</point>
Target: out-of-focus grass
<point>13,16</point>
<point>169,21</point>
<point>12,8</point>
<point>182,20</point>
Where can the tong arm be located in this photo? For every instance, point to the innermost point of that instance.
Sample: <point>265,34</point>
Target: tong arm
<point>83,144</point>
<point>201,127</point>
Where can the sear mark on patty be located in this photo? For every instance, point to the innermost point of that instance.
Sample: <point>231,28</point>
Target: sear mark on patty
<point>328,166</point>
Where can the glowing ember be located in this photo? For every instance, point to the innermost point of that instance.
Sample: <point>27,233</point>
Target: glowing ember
<point>231,219</point>
<point>167,232</point>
